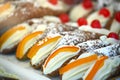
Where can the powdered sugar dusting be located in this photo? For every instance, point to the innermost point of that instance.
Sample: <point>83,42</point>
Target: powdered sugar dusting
<point>112,50</point>
<point>91,45</point>
<point>76,37</point>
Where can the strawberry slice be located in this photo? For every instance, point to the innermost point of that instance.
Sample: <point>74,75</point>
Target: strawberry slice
<point>77,63</point>
<point>4,7</point>
<point>26,43</point>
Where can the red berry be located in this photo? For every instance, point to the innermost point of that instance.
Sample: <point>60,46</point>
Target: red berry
<point>113,35</point>
<point>87,4</point>
<point>82,21</point>
<point>117,16</point>
<point>105,12</point>
<point>54,2</point>
<point>95,24</point>
<point>64,17</point>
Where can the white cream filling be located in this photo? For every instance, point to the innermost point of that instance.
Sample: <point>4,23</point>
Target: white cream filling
<point>74,24</point>
<point>52,19</point>
<point>109,40</point>
<point>115,27</point>
<point>109,66</point>
<point>89,28</point>
<point>57,61</point>
<point>79,71</point>
<point>15,38</point>
<point>78,11</point>
<point>7,12</point>
<point>95,16</point>
<point>30,43</point>
<point>43,53</point>
<point>40,27</point>
<point>101,18</point>
<point>45,4</point>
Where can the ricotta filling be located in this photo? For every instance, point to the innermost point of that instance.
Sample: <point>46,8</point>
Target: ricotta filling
<point>57,61</point>
<point>78,11</point>
<point>43,52</point>
<point>89,28</point>
<point>95,16</point>
<point>105,71</point>
<point>78,71</point>
<point>115,27</point>
<point>30,43</point>
<point>16,37</point>
<point>52,19</point>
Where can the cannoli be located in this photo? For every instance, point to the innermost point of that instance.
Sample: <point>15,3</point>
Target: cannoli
<point>96,27</point>
<point>10,39</point>
<point>26,43</point>
<point>103,69</point>
<point>111,50</point>
<point>103,15</point>
<point>75,69</point>
<point>25,10</point>
<point>56,59</point>
<point>77,36</point>
<point>40,51</point>
<point>81,10</point>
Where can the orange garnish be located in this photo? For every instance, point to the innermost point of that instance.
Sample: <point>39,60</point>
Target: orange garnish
<point>77,63</point>
<point>4,7</point>
<point>99,63</point>
<point>20,48</point>
<point>62,49</point>
<point>10,32</point>
<point>41,44</point>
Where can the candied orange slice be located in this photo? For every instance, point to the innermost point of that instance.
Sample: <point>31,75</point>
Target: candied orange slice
<point>41,44</point>
<point>77,63</point>
<point>4,7</point>
<point>10,32</point>
<point>99,63</point>
<point>20,49</point>
<point>59,50</point>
